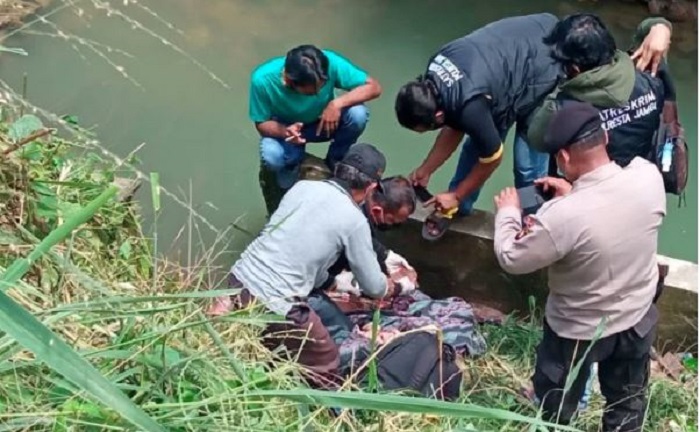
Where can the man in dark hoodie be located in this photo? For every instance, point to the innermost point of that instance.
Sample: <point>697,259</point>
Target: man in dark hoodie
<point>630,100</point>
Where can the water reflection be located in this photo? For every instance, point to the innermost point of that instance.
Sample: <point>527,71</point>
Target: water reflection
<point>196,129</point>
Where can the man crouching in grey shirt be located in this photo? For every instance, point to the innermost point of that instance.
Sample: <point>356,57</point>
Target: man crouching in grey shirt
<point>315,222</point>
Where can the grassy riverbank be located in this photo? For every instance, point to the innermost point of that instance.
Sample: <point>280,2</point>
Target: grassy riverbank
<point>138,320</point>
<point>13,12</point>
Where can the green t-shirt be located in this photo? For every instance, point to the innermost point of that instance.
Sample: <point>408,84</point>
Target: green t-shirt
<point>271,99</point>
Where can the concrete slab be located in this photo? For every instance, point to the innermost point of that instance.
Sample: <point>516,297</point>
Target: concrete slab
<point>463,264</point>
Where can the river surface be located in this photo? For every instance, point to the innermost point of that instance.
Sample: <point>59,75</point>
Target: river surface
<point>188,101</point>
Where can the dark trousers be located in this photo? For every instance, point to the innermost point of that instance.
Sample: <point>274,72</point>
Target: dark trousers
<point>623,373</point>
<point>305,338</point>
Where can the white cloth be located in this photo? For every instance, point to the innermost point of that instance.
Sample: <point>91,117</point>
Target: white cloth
<point>395,263</point>
<point>345,282</point>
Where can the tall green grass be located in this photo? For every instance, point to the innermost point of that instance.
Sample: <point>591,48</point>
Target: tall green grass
<point>22,326</point>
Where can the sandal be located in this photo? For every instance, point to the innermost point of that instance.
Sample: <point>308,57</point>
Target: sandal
<point>436,225</point>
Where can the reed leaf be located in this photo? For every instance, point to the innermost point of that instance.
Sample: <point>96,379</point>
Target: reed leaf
<point>20,266</point>
<point>393,403</point>
<point>155,191</point>
<point>373,373</point>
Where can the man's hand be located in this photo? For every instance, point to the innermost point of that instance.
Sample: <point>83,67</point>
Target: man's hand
<point>329,119</point>
<point>345,282</point>
<point>444,202</point>
<point>420,177</point>
<point>653,49</point>
<point>558,187</point>
<point>390,288</point>
<point>401,272</point>
<point>293,133</point>
<point>507,198</point>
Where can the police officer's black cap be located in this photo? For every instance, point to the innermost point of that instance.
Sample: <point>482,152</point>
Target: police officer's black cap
<point>366,159</point>
<point>572,123</point>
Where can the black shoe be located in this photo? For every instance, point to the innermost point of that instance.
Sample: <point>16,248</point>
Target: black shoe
<point>272,192</point>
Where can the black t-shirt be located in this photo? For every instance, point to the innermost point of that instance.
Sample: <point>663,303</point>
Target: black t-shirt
<point>476,121</point>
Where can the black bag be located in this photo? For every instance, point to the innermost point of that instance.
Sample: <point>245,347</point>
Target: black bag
<point>670,152</point>
<point>415,362</point>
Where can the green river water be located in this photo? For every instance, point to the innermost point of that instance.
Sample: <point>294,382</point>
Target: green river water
<point>196,129</point>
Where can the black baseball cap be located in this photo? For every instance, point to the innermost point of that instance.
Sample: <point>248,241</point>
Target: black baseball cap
<point>573,122</point>
<point>366,159</point>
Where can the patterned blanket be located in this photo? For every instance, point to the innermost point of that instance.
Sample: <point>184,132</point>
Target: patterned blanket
<point>453,316</point>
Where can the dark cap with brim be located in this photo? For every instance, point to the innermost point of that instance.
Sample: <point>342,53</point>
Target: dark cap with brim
<point>366,159</point>
<point>573,122</point>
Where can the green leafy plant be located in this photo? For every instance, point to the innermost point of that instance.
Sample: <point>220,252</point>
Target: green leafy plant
<point>47,346</point>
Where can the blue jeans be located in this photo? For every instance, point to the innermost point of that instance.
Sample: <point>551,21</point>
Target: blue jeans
<point>528,166</point>
<point>284,158</point>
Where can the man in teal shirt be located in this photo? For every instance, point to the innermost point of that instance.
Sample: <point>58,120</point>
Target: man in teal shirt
<point>293,102</point>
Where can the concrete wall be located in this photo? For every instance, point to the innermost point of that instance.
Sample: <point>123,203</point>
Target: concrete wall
<point>463,264</point>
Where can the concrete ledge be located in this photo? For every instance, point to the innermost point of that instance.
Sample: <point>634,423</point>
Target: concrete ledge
<point>463,264</point>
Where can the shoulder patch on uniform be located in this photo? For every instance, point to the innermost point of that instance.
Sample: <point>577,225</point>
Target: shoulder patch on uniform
<point>528,222</point>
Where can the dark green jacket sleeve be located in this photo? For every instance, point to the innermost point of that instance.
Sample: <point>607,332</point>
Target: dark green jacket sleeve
<point>540,120</point>
<point>644,27</point>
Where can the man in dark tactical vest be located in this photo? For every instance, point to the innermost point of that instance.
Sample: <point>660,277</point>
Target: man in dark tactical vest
<point>630,101</point>
<point>480,85</point>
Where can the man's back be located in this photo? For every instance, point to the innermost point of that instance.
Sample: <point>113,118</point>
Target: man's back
<point>314,223</point>
<point>607,232</point>
<point>505,60</point>
<point>632,126</point>
<point>630,103</point>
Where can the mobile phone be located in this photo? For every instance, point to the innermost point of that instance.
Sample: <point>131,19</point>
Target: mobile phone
<point>532,198</point>
<point>422,193</point>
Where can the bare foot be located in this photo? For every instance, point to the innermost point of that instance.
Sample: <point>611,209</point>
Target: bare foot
<point>221,306</point>
<point>528,392</point>
<point>485,314</point>
<point>383,337</point>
